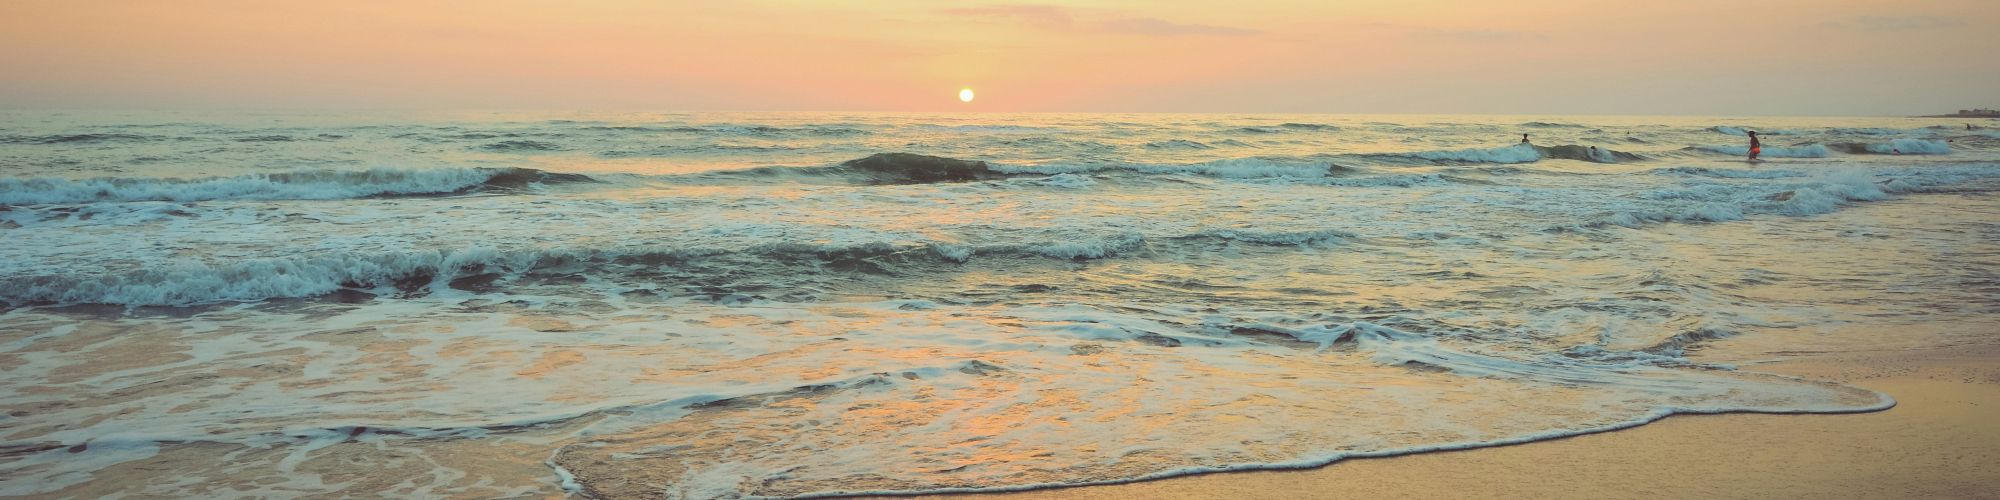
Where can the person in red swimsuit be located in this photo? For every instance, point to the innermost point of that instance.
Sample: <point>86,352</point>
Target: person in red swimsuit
<point>1755,147</point>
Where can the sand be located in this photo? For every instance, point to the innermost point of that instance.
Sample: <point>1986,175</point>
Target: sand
<point>1942,440</point>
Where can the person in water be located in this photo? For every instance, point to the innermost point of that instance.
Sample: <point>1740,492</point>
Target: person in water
<point>1755,147</point>
<point>1524,138</point>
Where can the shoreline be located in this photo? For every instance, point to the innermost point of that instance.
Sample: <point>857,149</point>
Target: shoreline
<point>1941,429</point>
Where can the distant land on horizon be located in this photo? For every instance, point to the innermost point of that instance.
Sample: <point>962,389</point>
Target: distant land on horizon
<point>1969,113</point>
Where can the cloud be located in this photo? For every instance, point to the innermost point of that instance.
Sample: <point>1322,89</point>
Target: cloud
<point>1156,27</point>
<point>1887,23</point>
<point>1055,18</point>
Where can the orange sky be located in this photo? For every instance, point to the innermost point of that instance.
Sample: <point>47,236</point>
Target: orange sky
<point>1421,56</point>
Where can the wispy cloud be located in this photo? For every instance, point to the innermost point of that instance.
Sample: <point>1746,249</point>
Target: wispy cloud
<point>1056,18</point>
<point>1894,23</point>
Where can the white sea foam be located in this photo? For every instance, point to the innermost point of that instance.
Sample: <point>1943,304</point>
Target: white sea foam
<point>1519,153</point>
<point>1069,181</point>
<point>305,185</point>
<point>1806,151</point>
<point>1745,132</point>
<point>1911,147</point>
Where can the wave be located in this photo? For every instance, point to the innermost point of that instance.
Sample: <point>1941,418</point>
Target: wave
<point>1302,238</point>
<point>1806,151</point>
<point>1722,173</point>
<point>1882,131</point>
<point>521,146</point>
<point>1309,126</point>
<point>1177,144</point>
<point>1743,132</point>
<point>1237,168</point>
<point>1586,153</point>
<point>1285,128</point>
<point>1663,386</point>
<point>300,185</point>
<point>1552,125</point>
<point>985,129</point>
<point>1820,194</point>
<point>728,129</point>
<point>1898,146</point>
<point>75,138</point>
<point>1407,180</point>
<point>422,272</point>
<point>908,168</point>
<point>1518,153</point>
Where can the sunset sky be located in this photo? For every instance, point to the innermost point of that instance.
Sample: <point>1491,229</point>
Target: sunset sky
<point>1418,56</point>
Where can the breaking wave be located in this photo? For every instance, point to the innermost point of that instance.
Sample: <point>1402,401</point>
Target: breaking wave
<point>1723,173</point>
<point>1806,151</point>
<point>300,185</point>
<point>1822,193</point>
<point>907,168</point>
<point>1743,132</point>
<point>1519,153</point>
<point>1898,146</point>
<point>1587,153</point>
<point>420,272</point>
<point>416,273</point>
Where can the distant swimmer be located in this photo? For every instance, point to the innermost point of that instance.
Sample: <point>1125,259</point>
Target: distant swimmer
<point>1524,138</point>
<point>1755,147</point>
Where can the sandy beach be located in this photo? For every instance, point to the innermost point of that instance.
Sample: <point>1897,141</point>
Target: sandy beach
<point>1938,442</point>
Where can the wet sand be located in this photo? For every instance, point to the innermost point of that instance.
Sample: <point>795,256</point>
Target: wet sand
<point>1942,440</point>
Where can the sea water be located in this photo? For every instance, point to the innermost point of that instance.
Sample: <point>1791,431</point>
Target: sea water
<point>720,305</point>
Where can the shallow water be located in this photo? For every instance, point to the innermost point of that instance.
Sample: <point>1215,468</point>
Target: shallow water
<point>712,305</point>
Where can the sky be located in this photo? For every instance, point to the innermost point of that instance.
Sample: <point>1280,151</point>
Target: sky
<point>1682,57</point>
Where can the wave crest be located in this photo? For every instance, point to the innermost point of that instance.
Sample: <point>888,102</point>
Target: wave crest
<point>1805,151</point>
<point>1898,147</point>
<point>300,185</point>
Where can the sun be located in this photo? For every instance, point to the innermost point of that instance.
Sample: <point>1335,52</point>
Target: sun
<point>965,95</point>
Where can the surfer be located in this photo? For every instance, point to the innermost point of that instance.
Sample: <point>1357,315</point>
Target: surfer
<point>1755,147</point>
<point>1524,138</point>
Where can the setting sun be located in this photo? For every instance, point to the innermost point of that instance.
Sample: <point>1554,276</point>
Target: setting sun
<point>965,95</point>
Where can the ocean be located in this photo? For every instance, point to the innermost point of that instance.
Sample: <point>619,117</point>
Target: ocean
<point>718,305</point>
